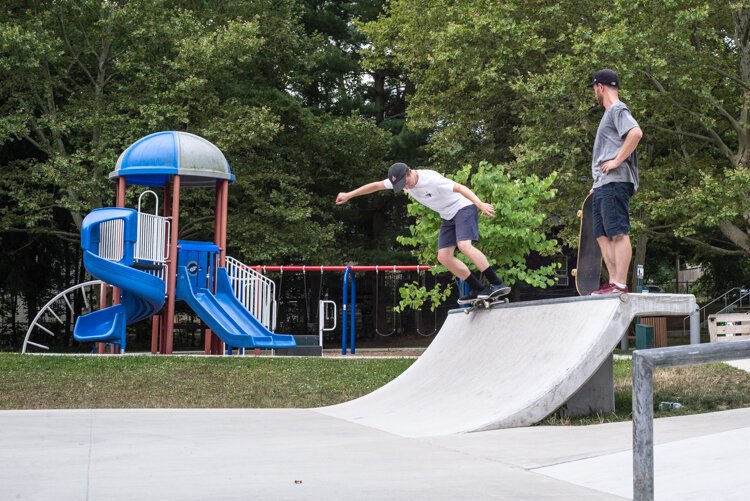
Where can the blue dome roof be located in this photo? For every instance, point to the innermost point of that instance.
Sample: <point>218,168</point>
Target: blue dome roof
<point>151,160</point>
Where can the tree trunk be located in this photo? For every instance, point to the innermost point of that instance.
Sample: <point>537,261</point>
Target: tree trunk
<point>736,235</point>
<point>379,77</point>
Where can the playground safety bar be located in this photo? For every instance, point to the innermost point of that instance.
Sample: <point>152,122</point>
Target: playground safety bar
<point>644,363</point>
<point>112,240</point>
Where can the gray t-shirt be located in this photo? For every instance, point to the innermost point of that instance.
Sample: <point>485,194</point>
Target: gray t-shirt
<point>610,137</point>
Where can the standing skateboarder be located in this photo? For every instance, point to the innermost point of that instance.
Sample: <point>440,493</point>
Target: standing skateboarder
<point>458,206</point>
<point>614,168</point>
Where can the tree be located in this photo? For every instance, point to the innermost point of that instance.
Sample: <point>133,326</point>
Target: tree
<point>507,81</point>
<point>81,81</point>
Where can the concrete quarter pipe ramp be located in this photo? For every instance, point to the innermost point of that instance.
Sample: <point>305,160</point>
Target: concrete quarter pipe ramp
<point>506,367</point>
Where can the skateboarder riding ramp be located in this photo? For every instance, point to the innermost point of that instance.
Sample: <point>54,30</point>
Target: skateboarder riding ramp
<point>505,367</point>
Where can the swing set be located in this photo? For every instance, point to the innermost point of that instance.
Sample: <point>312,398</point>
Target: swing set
<point>327,309</point>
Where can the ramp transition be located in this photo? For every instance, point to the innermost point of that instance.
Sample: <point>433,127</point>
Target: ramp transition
<point>506,367</point>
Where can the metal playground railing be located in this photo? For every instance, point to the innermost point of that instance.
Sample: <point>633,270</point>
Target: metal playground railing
<point>152,244</point>
<point>255,291</point>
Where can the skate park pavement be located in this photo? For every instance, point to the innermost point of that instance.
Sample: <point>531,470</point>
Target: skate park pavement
<point>455,425</point>
<point>293,454</point>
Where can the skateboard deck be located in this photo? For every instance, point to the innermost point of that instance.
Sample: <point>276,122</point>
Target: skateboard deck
<point>483,304</point>
<point>589,267</point>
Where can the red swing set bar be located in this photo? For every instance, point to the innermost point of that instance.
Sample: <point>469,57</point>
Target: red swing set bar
<point>307,267</point>
<point>348,304</point>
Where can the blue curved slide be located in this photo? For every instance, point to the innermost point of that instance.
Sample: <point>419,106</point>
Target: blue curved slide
<point>142,293</point>
<point>226,315</point>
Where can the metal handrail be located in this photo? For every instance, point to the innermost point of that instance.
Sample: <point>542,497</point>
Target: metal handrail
<point>738,300</point>
<point>701,310</point>
<point>644,363</point>
<point>255,291</point>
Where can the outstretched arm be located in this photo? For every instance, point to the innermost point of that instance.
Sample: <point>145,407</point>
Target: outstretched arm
<point>366,189</point>
<point>486,209</point>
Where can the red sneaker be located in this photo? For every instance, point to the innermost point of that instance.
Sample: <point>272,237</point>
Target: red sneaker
<point>610,288</point>
<point>604,289</point>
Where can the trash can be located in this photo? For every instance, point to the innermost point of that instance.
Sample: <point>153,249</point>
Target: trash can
<point>644,336</point>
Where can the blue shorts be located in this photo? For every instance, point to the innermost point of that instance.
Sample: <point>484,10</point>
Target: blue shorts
<point>463,226</point>
<point>611,209</point>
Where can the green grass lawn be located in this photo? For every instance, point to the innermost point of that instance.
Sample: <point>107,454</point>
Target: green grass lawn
<point>74,382</point>
<point>68,382</point>
<point>699,388</point>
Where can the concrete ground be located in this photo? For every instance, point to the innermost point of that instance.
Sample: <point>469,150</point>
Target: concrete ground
<point>301,454</point>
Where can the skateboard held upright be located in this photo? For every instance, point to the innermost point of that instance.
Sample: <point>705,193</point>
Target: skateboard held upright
<point>589,267</point>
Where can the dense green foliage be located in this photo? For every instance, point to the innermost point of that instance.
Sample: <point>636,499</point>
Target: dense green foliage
<point>277,85</point>
<point>506,81</point>
<point>307,98</point>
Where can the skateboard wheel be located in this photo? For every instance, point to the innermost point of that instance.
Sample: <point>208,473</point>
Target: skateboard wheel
<point>624,297</point>
<point>574,272</point>
<point>579,213</point>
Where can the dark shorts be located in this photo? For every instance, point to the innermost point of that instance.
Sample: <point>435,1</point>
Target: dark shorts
<point>611,209</point>
<point>463,226</point>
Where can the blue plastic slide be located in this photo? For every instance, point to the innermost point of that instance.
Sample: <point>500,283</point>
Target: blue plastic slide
<point>142,293</point>
<point>226,316</point>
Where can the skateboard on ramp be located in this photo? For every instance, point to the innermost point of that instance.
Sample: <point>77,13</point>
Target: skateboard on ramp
<point>589,267</point>
<point>500,296</point>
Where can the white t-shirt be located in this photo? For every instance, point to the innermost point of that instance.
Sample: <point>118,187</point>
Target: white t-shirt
<point>436,192</point>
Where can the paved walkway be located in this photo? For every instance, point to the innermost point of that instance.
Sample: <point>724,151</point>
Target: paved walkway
<point>302,454</point>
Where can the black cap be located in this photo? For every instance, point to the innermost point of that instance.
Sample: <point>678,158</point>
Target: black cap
<point>606,77</point>
<point>397,175</point>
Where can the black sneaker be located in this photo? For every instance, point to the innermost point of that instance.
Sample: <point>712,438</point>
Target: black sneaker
<point>468,298</point>
<point>494,291</point>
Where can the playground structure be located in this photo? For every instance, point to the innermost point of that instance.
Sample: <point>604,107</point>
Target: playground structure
<point>143,270</point>
<point>148,269</point>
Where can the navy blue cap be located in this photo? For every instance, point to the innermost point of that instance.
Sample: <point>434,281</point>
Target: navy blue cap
<point>606,77</point>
